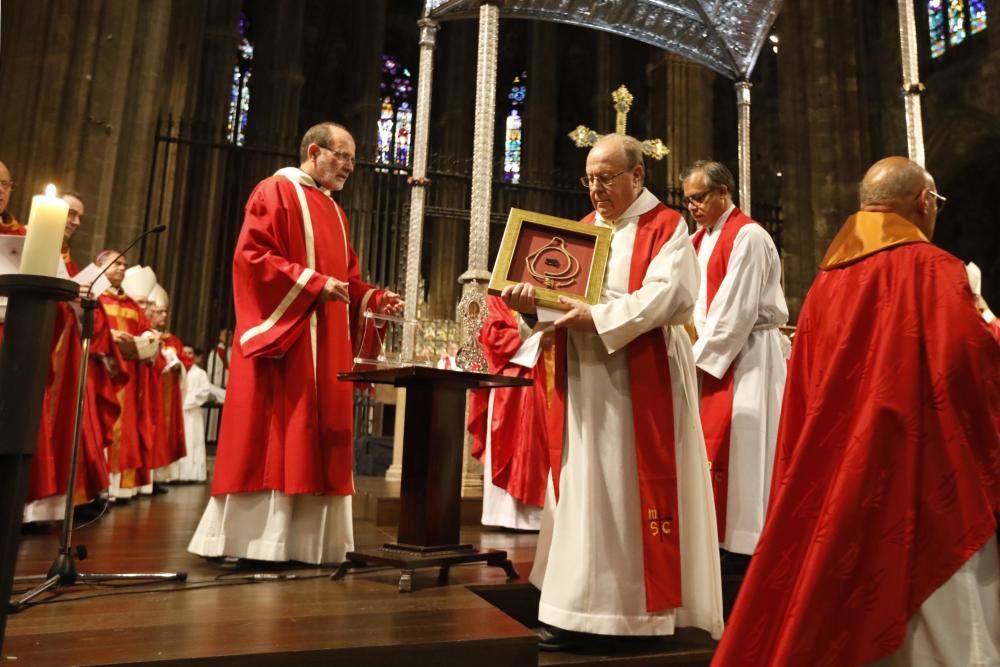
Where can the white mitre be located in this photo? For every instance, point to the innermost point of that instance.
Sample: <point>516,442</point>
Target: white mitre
<point>975,278</point>
<point>159,296</point>
<point>139,281</point>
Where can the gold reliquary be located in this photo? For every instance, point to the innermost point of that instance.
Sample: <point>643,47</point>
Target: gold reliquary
<point>559,257</point>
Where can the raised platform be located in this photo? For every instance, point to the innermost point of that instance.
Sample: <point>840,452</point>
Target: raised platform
<point>220,618</point>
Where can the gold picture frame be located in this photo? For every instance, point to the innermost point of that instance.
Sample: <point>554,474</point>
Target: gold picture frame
<point>534,242</point>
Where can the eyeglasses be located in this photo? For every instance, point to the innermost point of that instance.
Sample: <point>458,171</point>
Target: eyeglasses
<point>604,179</point>
<point>697,198</point>
<point>7,185</point>
<point>341,155</point>
<point>941,201</point>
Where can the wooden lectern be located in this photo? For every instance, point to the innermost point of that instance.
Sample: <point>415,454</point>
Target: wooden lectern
<point>431,488</point>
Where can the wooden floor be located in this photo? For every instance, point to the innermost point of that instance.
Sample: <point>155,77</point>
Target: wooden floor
<point>218,617</point>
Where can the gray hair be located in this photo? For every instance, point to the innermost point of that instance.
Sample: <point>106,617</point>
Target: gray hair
<point>631,149</point>
<point>716,174</point>
<point>321,133</point>
<point>888,186</point>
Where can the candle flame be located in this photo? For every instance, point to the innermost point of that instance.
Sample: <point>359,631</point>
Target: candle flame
<point>50,190</point>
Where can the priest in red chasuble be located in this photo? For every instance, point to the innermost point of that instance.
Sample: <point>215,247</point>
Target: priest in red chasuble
<point>509,427</point>
<point>47,484</point>
<point>880,542</point>
<point>170,438</point>
<point>628,543</point>
<point>132,434</point>
<point>283,482</point>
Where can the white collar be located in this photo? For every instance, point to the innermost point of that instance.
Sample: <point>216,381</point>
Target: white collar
<point>645,202</point>
<point>302,178</point>
<point>720,223</point>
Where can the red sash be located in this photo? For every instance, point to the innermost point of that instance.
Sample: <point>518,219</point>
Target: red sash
<point>653,418</point>
<point>717,394</point>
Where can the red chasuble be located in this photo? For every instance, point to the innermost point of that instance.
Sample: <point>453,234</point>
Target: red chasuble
<point>887,472</point>
<point>132,438</point>
<point>519,431</point>
<point>170,443</point>
<point>653,418</point>
<point>71,268</point>
<point>717,393</point>
<point>287,425</point>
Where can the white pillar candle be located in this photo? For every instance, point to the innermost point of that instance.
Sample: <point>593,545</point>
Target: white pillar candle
<point>46,225</point>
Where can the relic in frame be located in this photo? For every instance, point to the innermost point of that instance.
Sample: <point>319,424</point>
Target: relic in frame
<point>559,257</point>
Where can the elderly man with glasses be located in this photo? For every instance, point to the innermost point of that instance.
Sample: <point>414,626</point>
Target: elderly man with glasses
<point>740,354</point>
<point>880,545</point>
<point>8,223</point>
<point>627,544</point>
<point>282,483</point>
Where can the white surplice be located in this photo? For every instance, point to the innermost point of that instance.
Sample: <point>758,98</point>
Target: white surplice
<point>741,328</point>
<point>273,526</point>
<point>959,624</point>
<point>589,563</point>
<point>197,391</point>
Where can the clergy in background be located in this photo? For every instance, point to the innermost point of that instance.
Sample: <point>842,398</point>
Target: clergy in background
<point>171,440</point>
<point>283,480</point>
<point>740,355</point>
<point>976,283</point>
<point>628,543</point>
<point>510,426</point>
<point>132,435</point>
<point>198,391</point>
<point>880,543</point>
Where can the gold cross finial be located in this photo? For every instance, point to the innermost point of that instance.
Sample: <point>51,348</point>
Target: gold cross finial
<point>623,103</point>
<point>583,136</point>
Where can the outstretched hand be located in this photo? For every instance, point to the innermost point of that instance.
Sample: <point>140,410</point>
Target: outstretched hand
<point>390,304</point>
<point>577,317</point>
<point>334,290</point>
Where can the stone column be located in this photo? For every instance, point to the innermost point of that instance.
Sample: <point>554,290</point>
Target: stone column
<point>743,142</point>
<point>911,81</point>
<point>825,134</point>
<point>476,276</point>
<point>690,99</point>
<point>482,146</point>
<point>415,232</point>
<point>418,193</point>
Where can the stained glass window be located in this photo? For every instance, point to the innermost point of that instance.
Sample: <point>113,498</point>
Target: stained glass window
<point>949,22</point>
<point>404,123</point>
<point>513,138</point>
<point>395,120</point>
<point>956,22</point>
<point>239,96</point>
<point>977,16</point>
<point>936,24</point>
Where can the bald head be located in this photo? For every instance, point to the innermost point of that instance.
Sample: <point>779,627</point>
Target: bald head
<point>900,185</point>
<point>615,173</point>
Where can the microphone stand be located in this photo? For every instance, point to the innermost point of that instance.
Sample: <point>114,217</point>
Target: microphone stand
<point>63,571</point>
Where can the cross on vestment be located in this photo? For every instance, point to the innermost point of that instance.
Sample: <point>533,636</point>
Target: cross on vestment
<point>583,136</point>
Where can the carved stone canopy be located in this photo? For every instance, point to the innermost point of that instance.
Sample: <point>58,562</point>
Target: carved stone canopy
<point>724,35</point>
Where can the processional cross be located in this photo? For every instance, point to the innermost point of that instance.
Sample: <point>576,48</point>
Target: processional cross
<point>583,136</point>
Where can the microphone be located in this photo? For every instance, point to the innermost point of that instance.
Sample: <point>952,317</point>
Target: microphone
<point>154,230</point>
